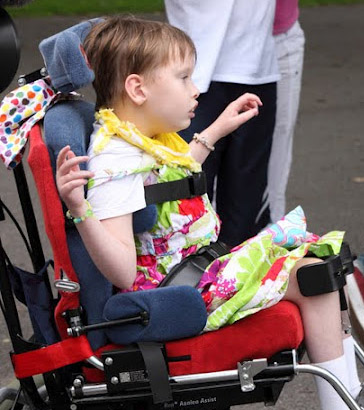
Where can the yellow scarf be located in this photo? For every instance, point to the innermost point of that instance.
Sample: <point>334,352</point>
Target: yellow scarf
<point>167,148</point>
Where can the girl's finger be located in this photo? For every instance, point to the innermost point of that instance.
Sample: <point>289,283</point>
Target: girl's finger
<point>247,115</point>
<point>69,164</point>
<point>76,175</point>
<point>251,97</point>
<point>62,156</point>
<point>73,176</point>
<point>70,186</point>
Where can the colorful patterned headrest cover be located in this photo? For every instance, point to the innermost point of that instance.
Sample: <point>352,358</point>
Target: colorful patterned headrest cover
<point>22,108</point>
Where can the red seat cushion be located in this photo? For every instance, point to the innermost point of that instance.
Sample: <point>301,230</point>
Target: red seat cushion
<point>261,335</point>
<point>258,336</point>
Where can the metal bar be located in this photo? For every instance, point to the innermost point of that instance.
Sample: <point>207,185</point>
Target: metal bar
<point>95,361</point>
<point>359,351</point>
<point>199,378</point>
<point>101,388</point>
<point>206,377</point>
<point>221,376</point>
<point>11,313</point>
<point>119,322</point>
<point>333,380</point>
<point>37,255</point>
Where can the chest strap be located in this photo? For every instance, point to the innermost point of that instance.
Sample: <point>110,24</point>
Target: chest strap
<point>185,188</point>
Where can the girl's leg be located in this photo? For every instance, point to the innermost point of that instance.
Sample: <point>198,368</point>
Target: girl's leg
<point>321,318</point>
<point>322,322</point>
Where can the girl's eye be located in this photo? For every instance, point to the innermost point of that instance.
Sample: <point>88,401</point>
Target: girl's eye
<point>185,77</point>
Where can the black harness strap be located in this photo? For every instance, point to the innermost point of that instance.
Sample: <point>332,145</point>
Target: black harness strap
<point>185,188</point>
<point>157,371</point>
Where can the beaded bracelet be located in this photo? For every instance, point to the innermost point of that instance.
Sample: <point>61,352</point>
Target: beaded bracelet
<point>89,213</point>
<point>198,138</point>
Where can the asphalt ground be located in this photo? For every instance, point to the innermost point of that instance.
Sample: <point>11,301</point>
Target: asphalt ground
<point>327,177</point>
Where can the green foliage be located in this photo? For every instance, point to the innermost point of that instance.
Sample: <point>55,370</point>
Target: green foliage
<point>86,7</point>
<point>103,7</point>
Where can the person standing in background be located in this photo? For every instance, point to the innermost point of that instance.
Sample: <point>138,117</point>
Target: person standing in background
<point>290,40</point>
<point>235,55</point>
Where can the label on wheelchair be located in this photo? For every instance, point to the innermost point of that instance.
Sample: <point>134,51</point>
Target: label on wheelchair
<point>124,369</point>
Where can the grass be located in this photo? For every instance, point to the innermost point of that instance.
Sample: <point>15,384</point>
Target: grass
<point>86,7</point>
<point>101,7</point>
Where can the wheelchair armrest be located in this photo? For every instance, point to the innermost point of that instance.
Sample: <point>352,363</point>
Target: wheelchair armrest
<point>161,314</point>
<point>175,312</point>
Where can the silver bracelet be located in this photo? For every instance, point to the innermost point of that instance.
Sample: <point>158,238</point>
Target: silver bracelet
<point>197,137</point>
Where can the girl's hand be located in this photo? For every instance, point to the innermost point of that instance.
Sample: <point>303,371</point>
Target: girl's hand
<point>236,114</point>
<point>71,180</point>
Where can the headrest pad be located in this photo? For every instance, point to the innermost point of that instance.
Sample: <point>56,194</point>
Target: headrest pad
<point>64,57</point>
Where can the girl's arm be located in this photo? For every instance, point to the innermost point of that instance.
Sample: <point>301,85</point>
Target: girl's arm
<point>109,242</point>
<point>235,114</point>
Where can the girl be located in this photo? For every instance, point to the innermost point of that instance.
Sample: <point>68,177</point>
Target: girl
<point>144,95</point>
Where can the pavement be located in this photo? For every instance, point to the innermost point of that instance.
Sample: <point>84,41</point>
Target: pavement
<point>327,177</point>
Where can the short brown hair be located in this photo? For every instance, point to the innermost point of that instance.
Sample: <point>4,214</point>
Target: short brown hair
<point>120,46</point>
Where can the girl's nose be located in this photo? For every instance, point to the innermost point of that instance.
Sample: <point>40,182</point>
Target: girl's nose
<point>196,91</point>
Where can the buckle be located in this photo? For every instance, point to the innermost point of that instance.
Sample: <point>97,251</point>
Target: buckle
<point>197,184</point>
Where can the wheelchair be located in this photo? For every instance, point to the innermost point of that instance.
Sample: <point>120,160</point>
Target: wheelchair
<point>74,347</point>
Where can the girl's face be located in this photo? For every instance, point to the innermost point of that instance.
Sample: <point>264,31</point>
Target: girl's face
<point>171,96</point>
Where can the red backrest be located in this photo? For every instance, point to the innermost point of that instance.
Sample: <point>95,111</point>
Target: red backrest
<point>40,165</point>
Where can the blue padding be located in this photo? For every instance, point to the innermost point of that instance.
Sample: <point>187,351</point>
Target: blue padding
<point>71,123</point>
<point>30,288</point>
<point>64,59</point>
<point>144,219</point>
<point>68,123</point>
<point>175,312</point>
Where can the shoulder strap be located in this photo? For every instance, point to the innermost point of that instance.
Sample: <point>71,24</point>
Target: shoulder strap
<point>185,188</point>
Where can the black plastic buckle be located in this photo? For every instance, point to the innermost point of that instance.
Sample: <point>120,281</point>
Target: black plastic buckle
<point>197,184</point>
<point>185,188</point>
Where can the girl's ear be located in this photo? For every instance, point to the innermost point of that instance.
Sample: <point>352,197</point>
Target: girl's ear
<point>134,87</point>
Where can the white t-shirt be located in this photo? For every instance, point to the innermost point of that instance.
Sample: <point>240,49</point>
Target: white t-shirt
<point>121,195</point>
<point>233,38</point>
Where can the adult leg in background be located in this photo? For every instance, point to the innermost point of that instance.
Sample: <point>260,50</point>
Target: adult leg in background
<point>240,160</point>
<point>290,51</point>
<point>241,191</point>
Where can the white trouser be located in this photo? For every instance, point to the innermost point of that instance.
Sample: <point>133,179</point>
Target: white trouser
<point>290,50</point>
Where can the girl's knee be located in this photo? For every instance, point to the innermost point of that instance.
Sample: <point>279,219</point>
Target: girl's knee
<point>293,291</point>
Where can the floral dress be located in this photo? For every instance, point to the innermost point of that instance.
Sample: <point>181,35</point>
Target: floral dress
<point>252,277</point>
